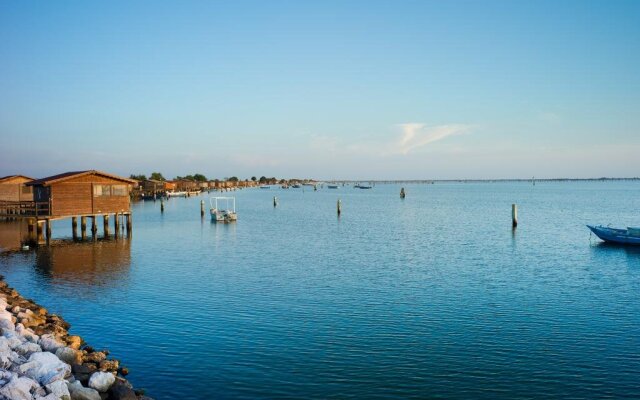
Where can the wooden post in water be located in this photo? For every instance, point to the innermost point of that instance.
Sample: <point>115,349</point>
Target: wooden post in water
<point>402,193</point>
<point>161,205</point>
<point>48,228</point>
<point>105,224</point>
<point>275,202</point>
<point>83,227</point>
<point>202,208</point>
<point>129,224</point>
<point>31,229</point>
<point>339,207</point>
<point>514,215</point>
<point>116,222</point>
<point>74,227</point>
<point>39,227</point>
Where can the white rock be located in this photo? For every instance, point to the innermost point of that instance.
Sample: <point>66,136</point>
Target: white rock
<point>68,355</point>
<point>59,389</point>
<point>79,392</point>
<point>101,381</point>
<point>45,368</point>
<point>27,348</point>
<point>48,342</point>
<point>51,396</point>
<point>19,388</point>
<point>7,324</point>
<point>27,333</point>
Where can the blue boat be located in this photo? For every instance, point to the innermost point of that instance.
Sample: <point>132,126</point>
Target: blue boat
<point>614,235</point>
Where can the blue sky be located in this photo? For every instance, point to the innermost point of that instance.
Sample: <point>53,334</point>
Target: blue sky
<point>327,89</point>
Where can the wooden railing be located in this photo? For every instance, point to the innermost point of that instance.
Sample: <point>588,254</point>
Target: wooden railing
<point>24,209</point>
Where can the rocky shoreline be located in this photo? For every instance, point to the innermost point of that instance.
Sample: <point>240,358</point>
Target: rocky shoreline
<point>40,360</point>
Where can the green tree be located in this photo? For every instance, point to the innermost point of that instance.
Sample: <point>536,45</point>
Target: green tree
<point>263,179</point>
<point>253,178</point>
<point>199,178</point>
<point>233,179</point>
<point>157,176</point>
<point>141,177</point>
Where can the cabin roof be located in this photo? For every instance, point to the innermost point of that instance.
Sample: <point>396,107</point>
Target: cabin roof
<point>74,174</point>
<point>9,177</point>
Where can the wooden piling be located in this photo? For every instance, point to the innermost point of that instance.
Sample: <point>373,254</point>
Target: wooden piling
<point>74,227</point>
<point>105,224</point>
<point>161,205</point>
<point>514,215</point>
<point>129,223</point>
<point>202,208</point>
<point>83,227</point>
<point>339,207</point>
<point>48,229</point>
<point>94,225</point>
<point>39,228</point>
<point>402,193</point>
<point>116,221</point>
<point>31,229</point>
<point>275,201</point>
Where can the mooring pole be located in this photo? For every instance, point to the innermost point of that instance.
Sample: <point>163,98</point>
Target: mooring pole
<point>161,205</point>
<point>129,224</point>
<point>514,215</point>
<point>402,193</point>
<point>275,201</point>
<point>48,228</point>
<point>202,208</point>
<point>339,207</point>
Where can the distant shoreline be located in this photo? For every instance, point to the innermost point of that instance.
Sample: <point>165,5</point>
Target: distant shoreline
<point>428,181</point>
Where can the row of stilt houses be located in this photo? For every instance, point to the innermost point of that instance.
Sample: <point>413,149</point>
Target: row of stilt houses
<point>84,195</point>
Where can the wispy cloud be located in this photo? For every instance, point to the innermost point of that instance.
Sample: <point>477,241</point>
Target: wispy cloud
<point>410,138</point>
<point>417,135</point>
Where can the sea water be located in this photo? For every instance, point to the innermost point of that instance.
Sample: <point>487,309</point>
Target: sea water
<point>431,296</point>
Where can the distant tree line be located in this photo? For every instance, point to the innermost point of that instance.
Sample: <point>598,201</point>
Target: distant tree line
<point>202,178</point>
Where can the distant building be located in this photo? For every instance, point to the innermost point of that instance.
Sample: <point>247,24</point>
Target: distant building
<point>152,186</point>
<point>13,188</point>
<point>185,185</point>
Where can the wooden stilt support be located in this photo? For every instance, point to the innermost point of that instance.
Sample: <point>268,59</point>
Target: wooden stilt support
<point>83,227</point>
<point>48,228</point>
<point>161,205</point>
<point>105,224</point>
<point>339,207</point>
<point>202,208</point>
<point>74,227</point>
<point>39,229</point>
<point>94,225</point>
<point>514,216</point>
<point>129,224</point>
<point>116,222</point>
<point>31,229</point>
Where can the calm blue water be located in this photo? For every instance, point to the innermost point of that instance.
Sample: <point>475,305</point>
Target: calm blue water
<point>430,297</point>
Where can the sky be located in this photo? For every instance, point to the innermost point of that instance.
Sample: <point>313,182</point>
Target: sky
<point>325,89</point>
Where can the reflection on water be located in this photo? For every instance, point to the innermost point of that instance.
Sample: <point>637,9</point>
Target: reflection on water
<point>91,263</point>
<point>13,234</point>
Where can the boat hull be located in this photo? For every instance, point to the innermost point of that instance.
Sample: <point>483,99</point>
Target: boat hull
<point>613,235</point>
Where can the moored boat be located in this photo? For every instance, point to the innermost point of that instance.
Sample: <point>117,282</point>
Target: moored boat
<point>227,214</point>
<point>616,235</point>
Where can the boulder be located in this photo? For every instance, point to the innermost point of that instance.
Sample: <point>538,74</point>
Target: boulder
<point>74,342</point>
<point>101,381</point>
<point>69,355</point>
<point>19,388</point>
<point>59,389</point>
<point>27,348</point>
<point>49,342</point>
<point>45,368</point>
<point>79,392</point>
<point>27,333</point>
<point>95,357</point>
<point>109,365</point>
<point>121,390</point>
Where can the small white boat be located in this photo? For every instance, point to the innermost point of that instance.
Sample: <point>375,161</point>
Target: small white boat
<point>176,194</point>
<point>226,214</point>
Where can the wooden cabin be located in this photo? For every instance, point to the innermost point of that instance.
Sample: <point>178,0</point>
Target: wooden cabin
<point>169,186</point>
<point>83,193</point>
<point>13,188</point>
<point>152,186</point>
<point>186,185</point>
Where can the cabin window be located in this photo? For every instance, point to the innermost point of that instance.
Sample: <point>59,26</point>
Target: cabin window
<point>101,190</point>
<point>119,190</point>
